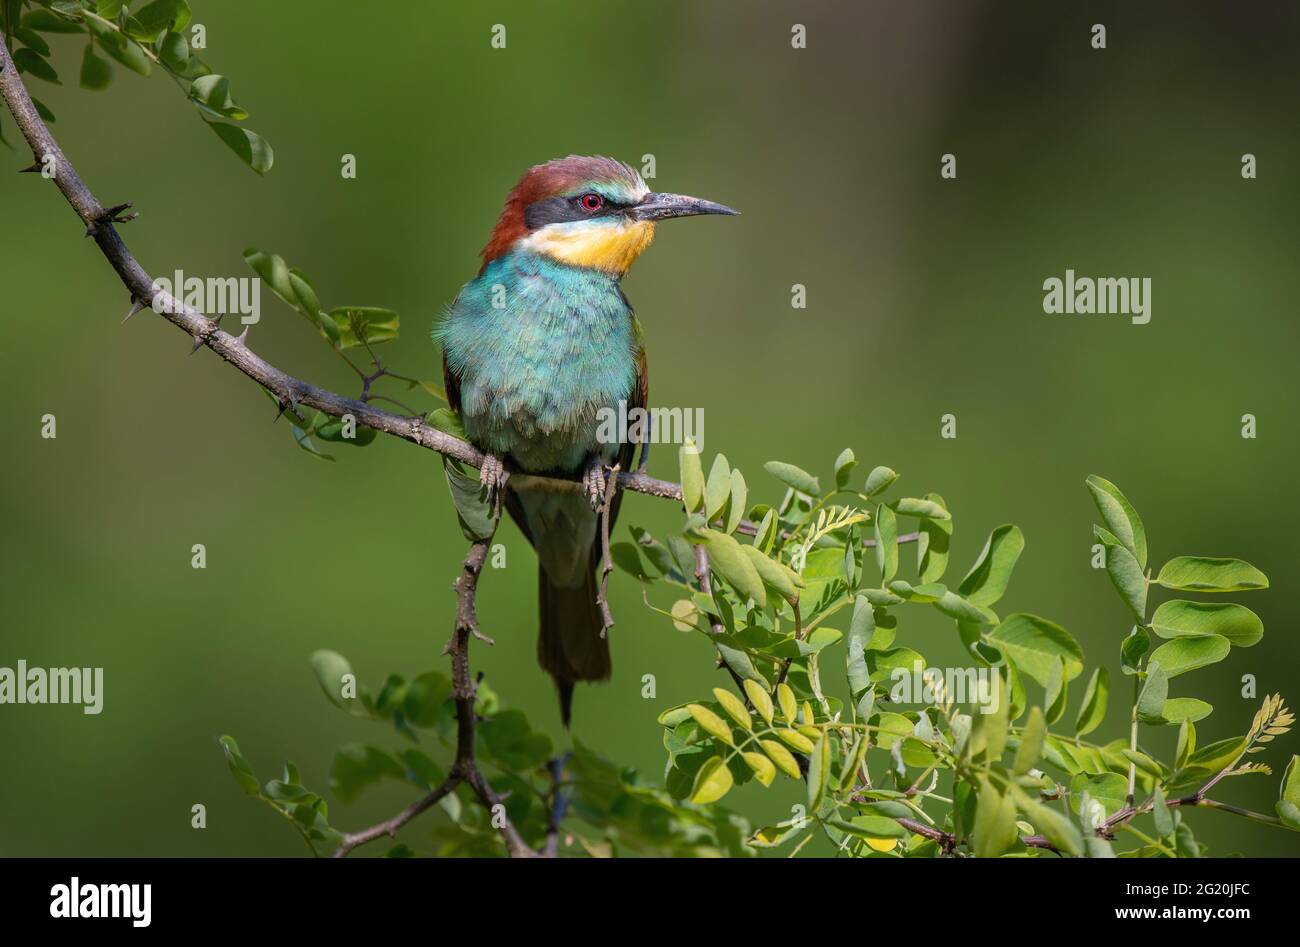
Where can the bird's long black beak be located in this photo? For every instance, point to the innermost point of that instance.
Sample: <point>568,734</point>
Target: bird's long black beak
<point>663,206</point>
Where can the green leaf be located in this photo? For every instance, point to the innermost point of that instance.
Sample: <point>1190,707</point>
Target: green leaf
<point>1151,700</point>
<point>987,580</point>
<point>773,835</point>
<point>733,563</point>
<point>710,722</point>
<point>239,767</point>
<point>789,705</point>
<point>995,821</point>
<point>954,606</point>
<point>1133,649</point>
<point>782,757</point>
<point>251,147</point>
<point>924,509</point>
<point>212,94</point>
<point>1187,654</point>
<point>1120,517</point>
<point>1057,693</point>
<point>364,325</point>
<point>1180,618</point>
<point>712,782</point>
<point>357,766</point>
<point>717,488</point>
<point>794,477</point>
<point>739,496</point>
<point>1031,742</point>
<point>1288,803</point>
<point>331,668</point>
<point>763,768</point>
<point>760,698</point>
<point>475,513</point>
<point>819,770</point>
<point>1186,745</point>
<point>174,52</point>
<point>776,574</point>
<point>510,739</point>
<point>1178,709</point>
<point>1217,755</point>
<point>1035,644</point>
<point>627,558</point>
<point>1164,819</point>
<point>1208,574</point>
<point>886,534</point>
<point>1054,826</point>
<point>33,63</point>
<point>795,739</point>
<point>879,480</point>
<point>96,73</point>
<point>734,706</point>
<point>870,826</point>
<point>47,22</point>
<point>932,545</point>
<point>692,475</point>
<point>1125,573</point>
<point>153,18</point>
<point>1110,789</point>
<point>1093,709</point>
<point>121,49</point>
<point>844,465</point>
<point>425,697</point>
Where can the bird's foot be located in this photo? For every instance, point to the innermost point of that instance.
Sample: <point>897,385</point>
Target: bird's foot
<point>492,477</point>
<point>594,483</point>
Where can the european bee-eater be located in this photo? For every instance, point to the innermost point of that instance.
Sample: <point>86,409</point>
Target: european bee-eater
<point>534,348</point>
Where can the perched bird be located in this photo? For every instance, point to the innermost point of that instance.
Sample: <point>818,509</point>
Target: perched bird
<point>533,348</point>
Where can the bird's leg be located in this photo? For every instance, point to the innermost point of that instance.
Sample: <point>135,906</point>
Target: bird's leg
<point>492,477</point>
<point>593,482</point>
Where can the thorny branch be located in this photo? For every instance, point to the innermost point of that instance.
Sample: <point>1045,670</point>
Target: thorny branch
<point>292,393</point>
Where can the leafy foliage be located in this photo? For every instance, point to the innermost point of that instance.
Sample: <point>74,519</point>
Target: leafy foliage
<point>156,33</point>
<point>952,769</point>
<point>608,810</point>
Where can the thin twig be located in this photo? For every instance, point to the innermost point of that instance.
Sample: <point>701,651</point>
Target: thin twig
<point>389,827</point>
<point>559,805</point>
<point>607,560</point>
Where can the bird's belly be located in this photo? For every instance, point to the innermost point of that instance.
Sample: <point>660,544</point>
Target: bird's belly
<point>544,406</point>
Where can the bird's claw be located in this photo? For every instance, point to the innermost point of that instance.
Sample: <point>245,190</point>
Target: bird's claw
<point>594,484</point>
<point>492,477</point>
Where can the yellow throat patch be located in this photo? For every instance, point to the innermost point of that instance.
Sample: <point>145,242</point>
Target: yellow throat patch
<point>612,247</point>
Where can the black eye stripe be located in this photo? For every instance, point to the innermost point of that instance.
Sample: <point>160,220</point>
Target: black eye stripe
<point>555,210</point>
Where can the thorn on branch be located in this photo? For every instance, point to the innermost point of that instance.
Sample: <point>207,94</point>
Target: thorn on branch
<point>288,404</point>
<point>112,215</point>
<point>198,344</point>
<point>136,306</point>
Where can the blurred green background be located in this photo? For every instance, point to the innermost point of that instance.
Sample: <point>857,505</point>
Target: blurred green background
<point>924,298</point>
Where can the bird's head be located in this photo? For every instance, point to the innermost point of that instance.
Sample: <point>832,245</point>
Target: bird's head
<point>590,212</point>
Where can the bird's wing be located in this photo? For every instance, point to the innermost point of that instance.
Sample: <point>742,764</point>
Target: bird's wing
<point>451,384</point>
<point>640,399</point>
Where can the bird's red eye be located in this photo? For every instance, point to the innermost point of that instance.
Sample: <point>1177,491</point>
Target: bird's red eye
<point>592,202</point>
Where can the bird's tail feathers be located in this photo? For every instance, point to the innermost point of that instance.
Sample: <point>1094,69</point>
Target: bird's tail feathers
<point>570,646</point>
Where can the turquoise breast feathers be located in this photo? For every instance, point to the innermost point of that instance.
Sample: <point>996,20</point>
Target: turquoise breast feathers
<point>559,344</point>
